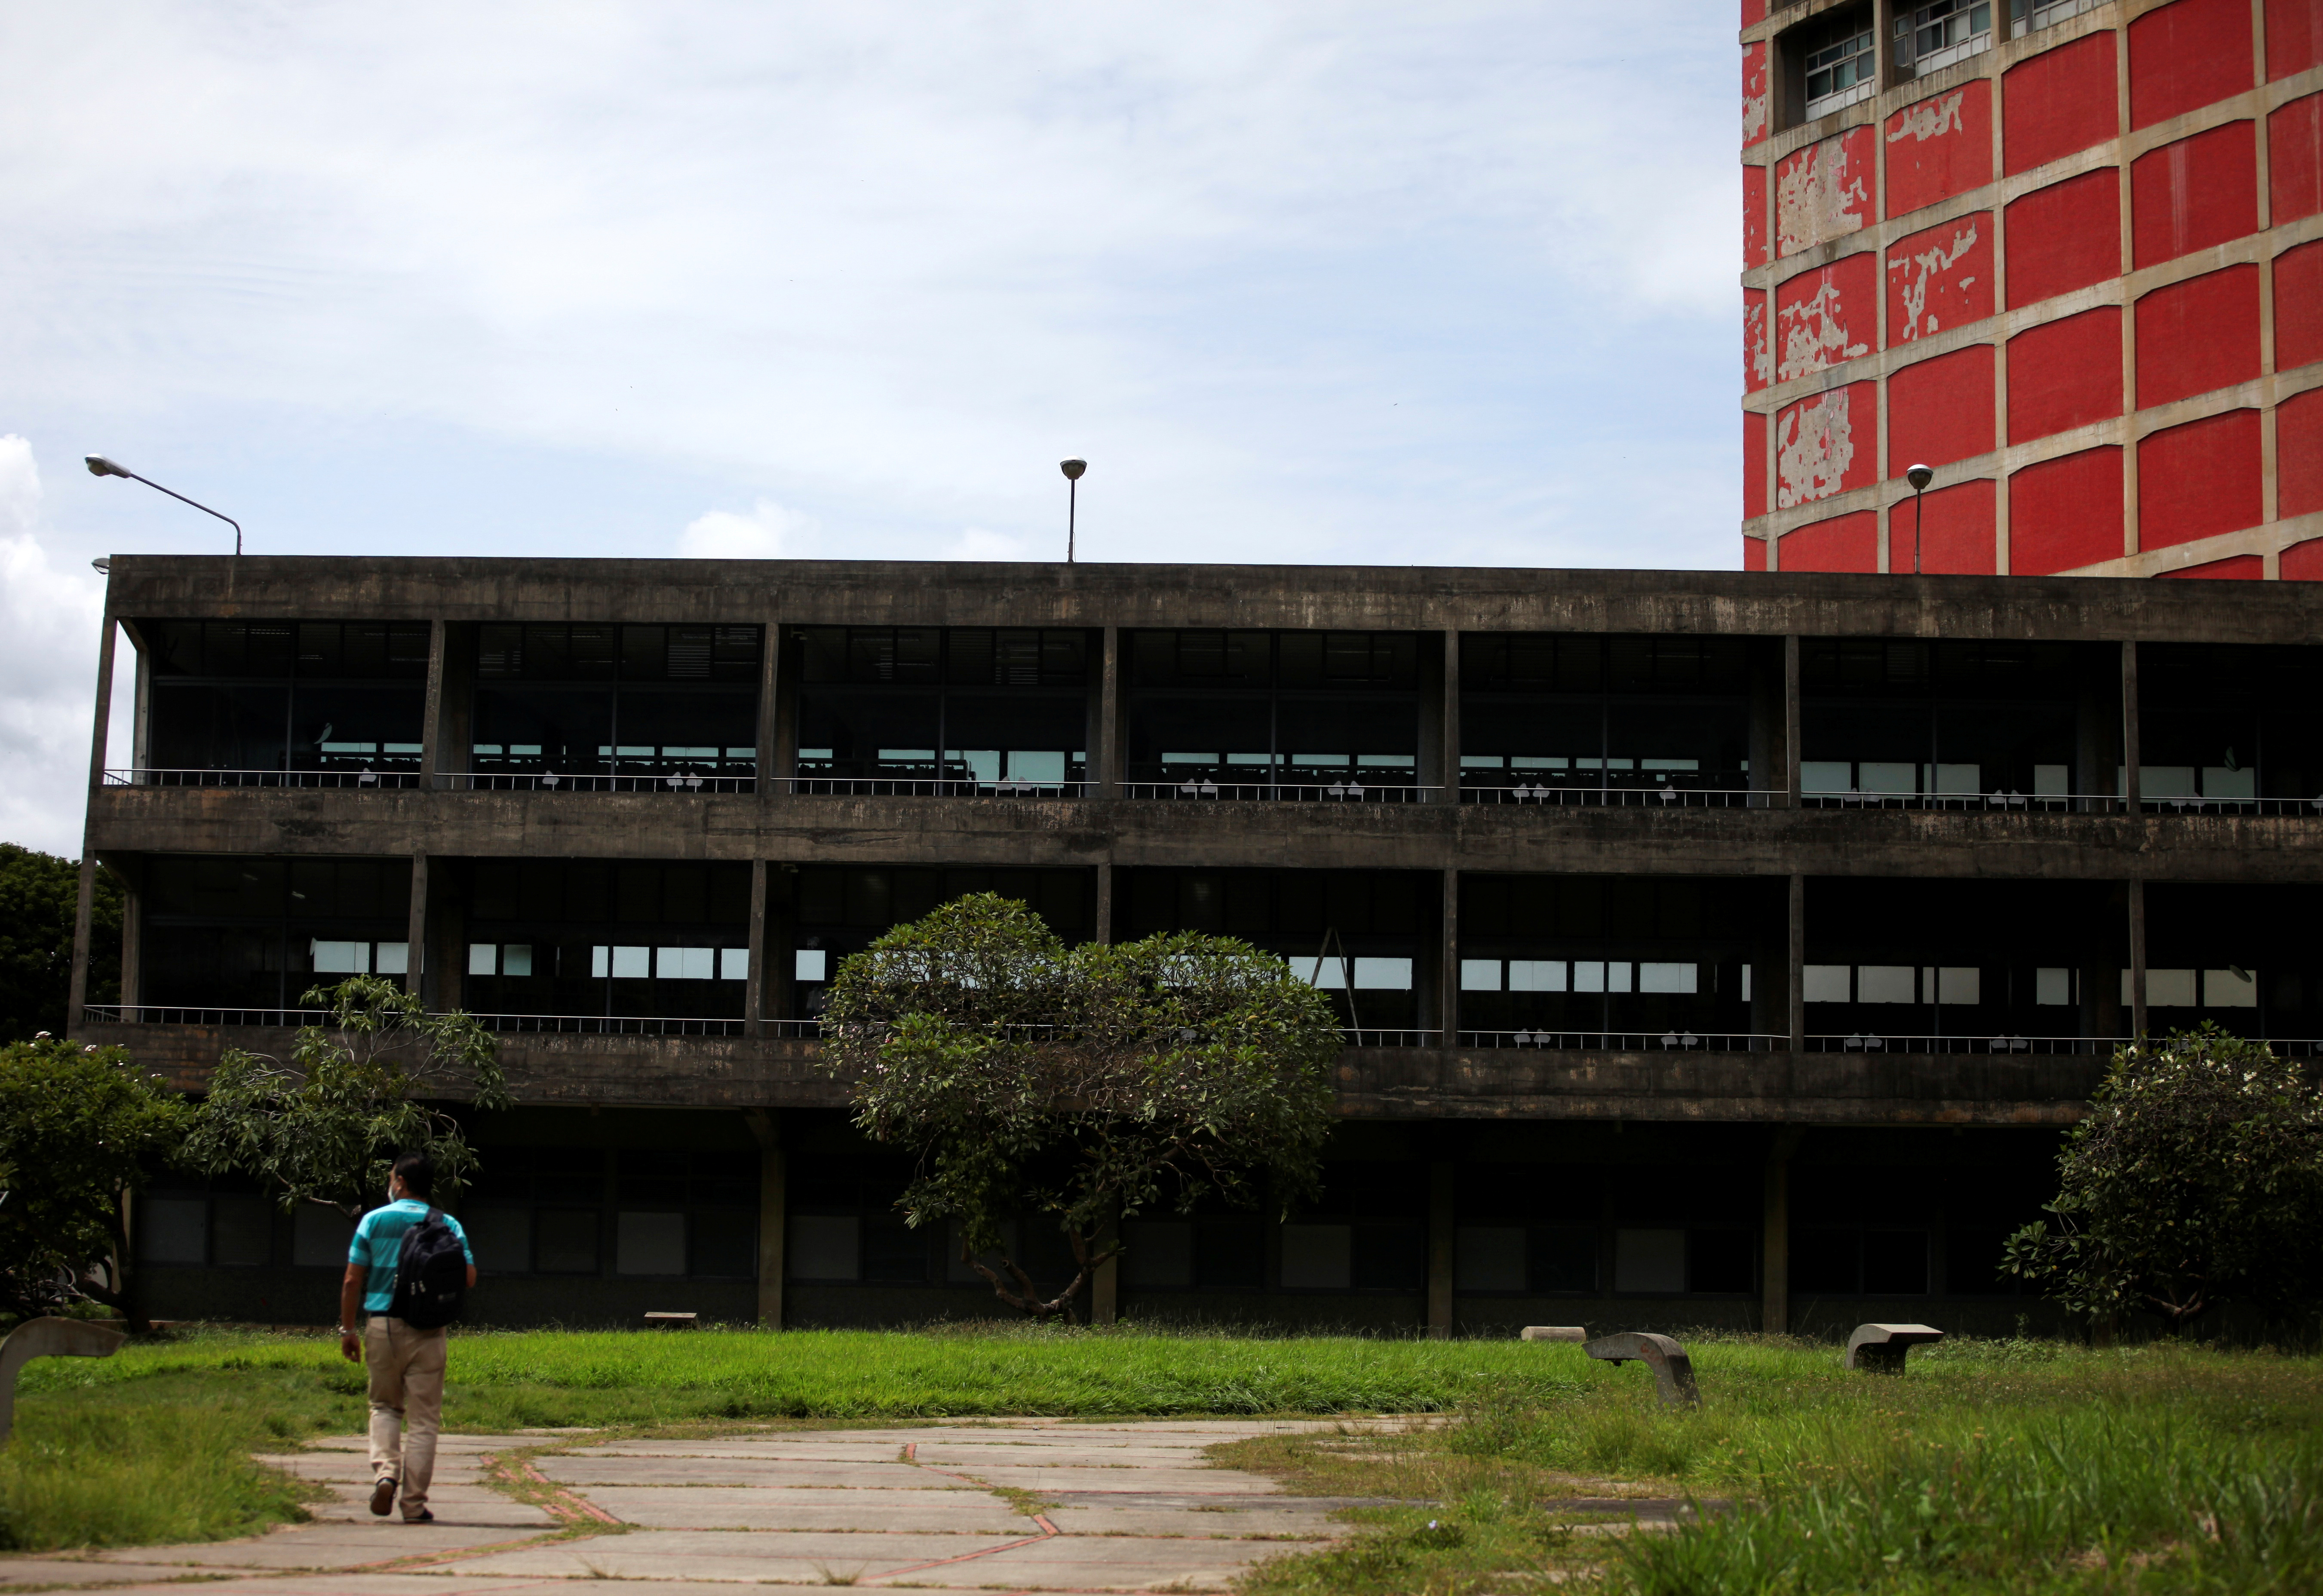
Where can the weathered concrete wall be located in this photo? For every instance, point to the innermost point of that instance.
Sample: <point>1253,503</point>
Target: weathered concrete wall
<point>1011,831</point>
<point>1387,598</point>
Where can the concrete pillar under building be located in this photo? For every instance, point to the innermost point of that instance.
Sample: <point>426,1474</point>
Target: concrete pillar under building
<point>1775,1273</point>
<point>415,943</point>
<point>754,988</point>
<point>1103,767</point>
<point>1440,1242</point>
<point>773,1189</point>
<point>1104,1281</point>
<point>85,908</point>
<point>1792,717</point>
<point>2136,956</point>
<point>1795,988</point>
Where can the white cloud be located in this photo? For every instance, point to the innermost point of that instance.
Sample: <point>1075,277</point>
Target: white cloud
<point>49,617</point>
<point>769,532</point>
<point>976,542</point>
<point>1342,281</point>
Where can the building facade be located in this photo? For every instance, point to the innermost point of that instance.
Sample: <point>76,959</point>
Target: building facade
<point>1712,948</point>
<point>2070,254</point>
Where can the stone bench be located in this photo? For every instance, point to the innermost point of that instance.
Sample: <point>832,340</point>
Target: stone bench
<point>1555,1333</point>
<point>1673,1369</point>
<point>48,1338</point>
<point>1880,1348</point>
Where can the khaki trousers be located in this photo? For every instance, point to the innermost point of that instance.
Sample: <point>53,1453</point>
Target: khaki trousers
<point>406,1404</point>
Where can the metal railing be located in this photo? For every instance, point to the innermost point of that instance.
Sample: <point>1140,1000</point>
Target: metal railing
<point>1374,1036</point>
<point>149,1014</point>
<point>362,777</point>
<point>1201,788</point>
<point>1629,1042</point>
<point>610,1025</point>
<point>1965,803</point>
<point>1624,797</point>
<point>1865,1041</point>
<point>881,787</point>
<point>550,781</point>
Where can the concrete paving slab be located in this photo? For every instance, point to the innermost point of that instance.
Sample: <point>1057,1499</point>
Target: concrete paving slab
<point>804,1557</point>
<point>763,1473</point>
<point>455,1507</point>
<point>323,1546</point>
<point>1186,1481</point>
<point>711,1506</point>
<point>1108,1563</point>
<point>1308,1518</point>
<point>74,1571</point>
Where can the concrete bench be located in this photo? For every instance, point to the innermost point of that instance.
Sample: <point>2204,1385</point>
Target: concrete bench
<point>1673,1369</point>
<point>1555,1333</point>
<point>1880,1348</point>
<point>48,1338</point>
<point>672,1321</point>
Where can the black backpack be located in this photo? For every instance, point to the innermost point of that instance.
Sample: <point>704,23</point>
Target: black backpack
<point>431,1275</point>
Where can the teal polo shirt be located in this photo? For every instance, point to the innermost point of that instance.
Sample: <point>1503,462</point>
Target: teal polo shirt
<point>379,1242</point>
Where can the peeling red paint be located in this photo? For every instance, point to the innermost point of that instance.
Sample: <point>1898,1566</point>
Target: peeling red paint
<point>1827,444</point>
<point>1758,353</point>
<point>1939,147</point>
<point>1823,191</point>
<point>1754,216</point>
<point>1754,94</point>
<point>1824,318</point>
<point>1940,277</point>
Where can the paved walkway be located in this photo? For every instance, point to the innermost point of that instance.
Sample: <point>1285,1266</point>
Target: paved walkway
<point>1023,1505</point>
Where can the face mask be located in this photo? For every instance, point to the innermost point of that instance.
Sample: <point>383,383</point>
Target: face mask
<point>390,1192</point>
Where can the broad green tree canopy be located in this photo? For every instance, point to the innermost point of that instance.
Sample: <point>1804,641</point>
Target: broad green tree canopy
<point>1084,1084</point>
<point>2196,1180</point>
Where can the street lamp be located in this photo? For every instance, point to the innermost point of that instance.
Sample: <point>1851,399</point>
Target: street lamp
<point>1919,476</point>
<point>99,466</point>
<point>1072,470</point>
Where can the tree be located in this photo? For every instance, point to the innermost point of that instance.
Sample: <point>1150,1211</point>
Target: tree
<point>1087,1084</point>
<point>371,1084</point>
<point>80,1130</point>
<point>40,894</point>
<point>2196,1180</point>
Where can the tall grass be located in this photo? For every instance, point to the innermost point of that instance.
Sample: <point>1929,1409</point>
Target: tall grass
<point>598,1376</point>
<point>115,1476</point>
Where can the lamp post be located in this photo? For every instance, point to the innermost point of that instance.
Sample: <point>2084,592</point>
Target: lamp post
<point>1919,476</point>
<point>1072,470</point>
<point>99,466</point>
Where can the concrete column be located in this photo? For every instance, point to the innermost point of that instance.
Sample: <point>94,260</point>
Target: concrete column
<point>415,944</point>
<point>141,713</point>
<point>1440,1250</point>
<point>778,989</point>
<point>1439,724</point>
<point>431,724</point>
<point>2136,947</point>
<point>1106,725</point>
<point>452,697</point>
<point>85,907</point>
<point>778,756</point>
<point>2129,740</point>
<point>768,732</point>
<point>132,931</point>
<point>1105,886</point>
<point>1447,979</point>
<point>1798,993</point>
<point>754,989</point>
<point>1774,1316</point>
<point>774,1190</point>
<point>1791,722</point>
<point>1104,1281</point>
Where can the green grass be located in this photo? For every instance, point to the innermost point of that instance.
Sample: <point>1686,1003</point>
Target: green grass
<point>505,1380</point>
<point>117,1474</point>
<point>1994,1466</point>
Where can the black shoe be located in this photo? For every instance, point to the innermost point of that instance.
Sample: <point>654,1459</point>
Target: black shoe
<point>422,1516</point>
<point>383,1496</point>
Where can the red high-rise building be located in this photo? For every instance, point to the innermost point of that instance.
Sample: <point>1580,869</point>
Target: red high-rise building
<point>2069,255</point>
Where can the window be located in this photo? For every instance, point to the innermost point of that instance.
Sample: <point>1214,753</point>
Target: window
<point>672,703</point>
<point>2029,17</point>
<point>317,701</point>
<point>1262,714</point>
<point>1928,37</point>
<point>999,711</point>
<point>1839,63</point>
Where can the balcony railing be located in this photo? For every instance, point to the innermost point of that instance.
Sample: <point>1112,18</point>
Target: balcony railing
<point>1864,1042</point>
<point>1202,789</point>
<point>1629,1042</point>
<point>1373,1036</point>
<point>361,777</point>
<point>611,1025</point>
<point>1655,797</point>
<point>549,781</point>
<point>883,786</point>
<point>148,1013</point>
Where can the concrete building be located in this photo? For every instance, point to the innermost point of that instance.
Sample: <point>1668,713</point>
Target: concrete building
<point>1718,947</point>
<point>2069,252</point>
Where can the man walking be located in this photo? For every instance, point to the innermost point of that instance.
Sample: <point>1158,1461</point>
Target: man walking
<point>406,1362</point>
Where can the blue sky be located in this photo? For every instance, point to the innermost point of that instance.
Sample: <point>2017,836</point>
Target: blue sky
<point>1320,283</point>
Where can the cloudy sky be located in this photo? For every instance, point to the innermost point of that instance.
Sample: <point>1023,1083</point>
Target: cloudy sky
<point>1450,283</point>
